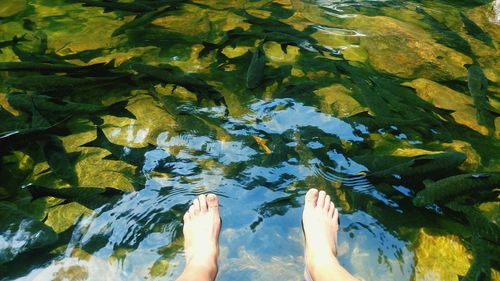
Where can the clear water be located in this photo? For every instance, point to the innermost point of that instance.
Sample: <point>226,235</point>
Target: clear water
<point>313,137</point>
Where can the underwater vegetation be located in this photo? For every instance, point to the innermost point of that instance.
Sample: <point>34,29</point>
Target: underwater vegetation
<point>392,107</point>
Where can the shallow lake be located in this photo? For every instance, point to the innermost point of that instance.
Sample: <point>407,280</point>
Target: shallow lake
<point>255,101</point>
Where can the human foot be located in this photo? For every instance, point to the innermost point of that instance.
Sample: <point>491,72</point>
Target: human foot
<point>320,225</point>
<point>201,235</point>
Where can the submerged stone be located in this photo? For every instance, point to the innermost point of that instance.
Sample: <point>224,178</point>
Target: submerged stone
<point>163,264</point>
<point>20,233</point>
<point>413,152</point>
<point>11,7</point>
<point>151,120</point>
<point>15,168</point>
<point>491,210</point>
<point>93,170</point>
<point>64,216</point>
<point>345,40</point>
<point>440,257</point>
<point>121,56</point>
<point>473,160</point>
<point>234,52</point>
<point>276,56</point>
<point>445,98</point>
<point>201,25</point>
<point>497,127</point>
<point>336,100</point>
<point>194,22</point>
<point>488,56</point>
<point>406,50</point>
<point>83,31</point>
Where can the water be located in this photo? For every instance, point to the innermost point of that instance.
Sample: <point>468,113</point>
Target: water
<point>354,84</point>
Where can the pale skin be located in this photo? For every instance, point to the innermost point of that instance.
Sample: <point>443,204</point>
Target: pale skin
<point>319,220</point>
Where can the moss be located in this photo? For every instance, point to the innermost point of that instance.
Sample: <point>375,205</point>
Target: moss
<point>440,257</point>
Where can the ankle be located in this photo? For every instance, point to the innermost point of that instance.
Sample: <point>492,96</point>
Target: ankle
<point>317,264</point>
<point>203,267</point>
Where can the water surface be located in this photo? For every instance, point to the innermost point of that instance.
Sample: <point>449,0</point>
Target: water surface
<point>354,82</point>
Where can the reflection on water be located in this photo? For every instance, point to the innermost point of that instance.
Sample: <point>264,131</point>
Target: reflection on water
<point>347,88</point>
<point>261,201</point>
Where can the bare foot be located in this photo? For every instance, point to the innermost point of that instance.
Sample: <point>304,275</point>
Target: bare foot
<point>320,225</point>
<point>201,238</point>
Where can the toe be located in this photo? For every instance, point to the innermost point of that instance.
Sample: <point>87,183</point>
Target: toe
<point>326,206</point>
<point>186,217</point>
<point>321,199</point>
<point>336,218</point>
<point>212,201</point>
<point>213,204</point>
<point>191,211</point>
<point>311,197</point>
<point>196,206</point>
<point>203,203</point>
<point>331,210</point>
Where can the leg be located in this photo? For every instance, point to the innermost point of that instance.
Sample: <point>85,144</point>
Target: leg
<point>201,239</point>
<point>320,223</point>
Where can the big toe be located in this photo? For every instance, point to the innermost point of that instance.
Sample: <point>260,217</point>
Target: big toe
<point>212,201</point>
<point>312,197</point>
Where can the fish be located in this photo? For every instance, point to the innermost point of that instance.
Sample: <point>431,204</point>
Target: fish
<point>275,30</point>
<point>37,119</point>
<point>304,153</point>
<point>255,73</point>
<point>262,144</point>
<point>379,121</point>
<point>475,31</point>
<point>446,190</point>
<point>445,35</point>
<point>90,197</point>
<point>40,129</point>
<point>53,105</point>
<point>478,222</point>
<point>272,74</point>
<point>133,156</point>
<point>9,121</point>
<point>37,57</point>
<point>58,159</point>
<point>12,42</point>
<point>115,6</point>
<point>23,134</point>
<point>366,119</point>
<point>53,58</point>
<point>29,25</point>
<point>421,167</point>
<point>269,24</point>
<point>232,37</point>
<point>396,218</point>
<point>49,67</point>
<point>279,206</point>
<point>297,89</point>
<point>144,19</point>
<point>50,83</point>
<point>480,268</point>
<point>287,39</point>
<point>14,222</point>
<point>172,75</point>
<point>369,95</point>
<point>379,162</point>
<point>478,89</point>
